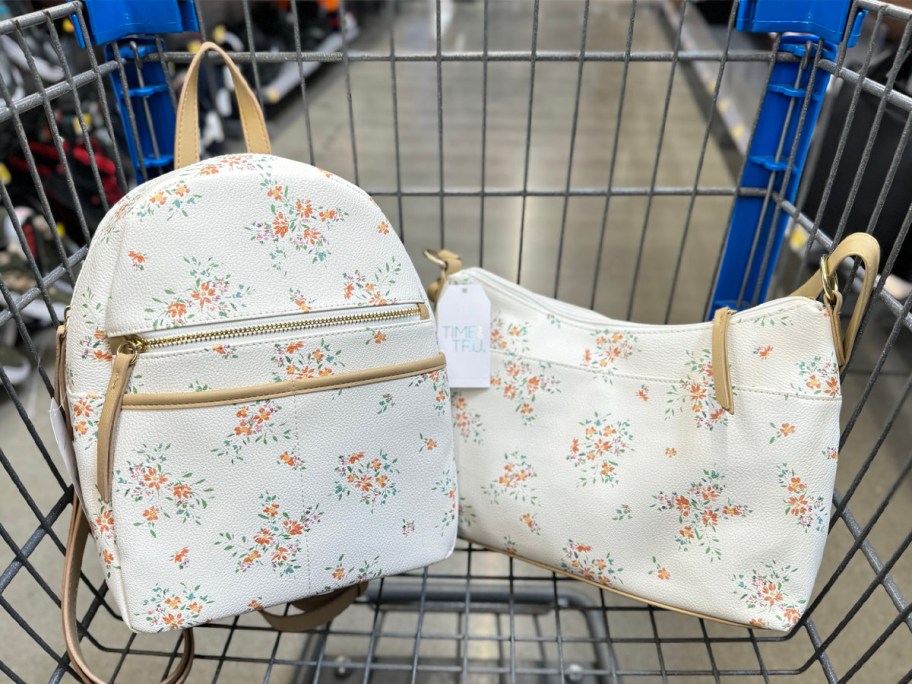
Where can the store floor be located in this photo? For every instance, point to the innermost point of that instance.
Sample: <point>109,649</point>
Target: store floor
<point>453,121</point>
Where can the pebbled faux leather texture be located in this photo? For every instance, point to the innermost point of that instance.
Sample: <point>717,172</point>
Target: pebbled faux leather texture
<point>218,510</point>
<point>601,450</point>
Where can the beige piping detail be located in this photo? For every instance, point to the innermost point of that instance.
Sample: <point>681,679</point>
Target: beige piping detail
<point>274,390</point>
<point>721,371</point>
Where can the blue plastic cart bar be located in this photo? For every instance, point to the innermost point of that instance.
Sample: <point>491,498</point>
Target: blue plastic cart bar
<point>143,91</point>
<point>776,158</point>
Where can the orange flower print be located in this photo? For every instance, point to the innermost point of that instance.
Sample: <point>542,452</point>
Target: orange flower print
<point>509,546</point>
<point>765,592</point>
<point>137,260</point>
<point>831,453</point>
<point>224,350</point>
<point>165,609</point>
<point>181,558</point>
<point>373,290</point>
<point>515,480</point>
<point>291,460</point>
<point>277,540</point>
<point>300,300</point>
<point>427,443</point>
<point>297,361</point>
<point>368,479</point>
<point>611,346</point>
<point>694,394</point>
<point>378,337</point>
<point>440,388</point>
<point>810,512</point>
<point>169,497</point>
<point>660,571</point>
<point>643,393</point>
<point>595,451</point>
<point>763,352</point>
<point>104,522</point>
<point>466,421</point>
<point>344,573</point>
<point>255,604</point>
<point>521,382</point>
<point>383,228</point>
<point>289,226</point>
<point>102,526</point>
<point>700,511</point>
<point>671,452</point>
<point>579,559</point>
<point>209,294</point>
<point>446,486</point>
<point>255,423</point>
<point>781,431</point>
<point>175,199</point>
<point>528,519</point>
<point>85,413</point>
<point>818,376</point>
<point>209,170</point>
<point>107,557</point>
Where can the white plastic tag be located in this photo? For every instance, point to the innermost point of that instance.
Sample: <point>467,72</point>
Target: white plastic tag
<point>65,445</point>
<point>464,333</point>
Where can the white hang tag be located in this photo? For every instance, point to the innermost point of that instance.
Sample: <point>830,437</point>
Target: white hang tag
<point>464,334</point>
<point>65,445</point>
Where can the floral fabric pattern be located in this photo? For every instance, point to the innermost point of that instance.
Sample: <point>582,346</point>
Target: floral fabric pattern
<point>375,290</point>
<point>166,495</point>
<point>166,609</point>
<point>466,421</point>
<point>173,200</point>
<point>293,223</point>
<point>514,480</point>
<point>700,511</point>
<point>595,452</point>
<point>212,295</point>
<point>610,347</point>
<point>521,382</point>
<point>764,592</point>
<point>580,560</point>
<point>439,384</point>
<point>818,376</point>
<point>696,392</point>
<point>256,423</point>
<point>278,541</point>
<point>370,479</point>
<point>810,512</point>
<point>446,485</point>
<point>303,361</point>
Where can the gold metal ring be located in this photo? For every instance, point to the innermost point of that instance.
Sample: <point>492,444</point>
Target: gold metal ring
<point>830,283</point>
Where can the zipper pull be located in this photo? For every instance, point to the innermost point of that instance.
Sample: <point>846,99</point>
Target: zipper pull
<point>122,368</point>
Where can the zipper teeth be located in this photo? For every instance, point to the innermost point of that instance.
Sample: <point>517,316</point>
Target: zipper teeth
<point>144,344</point>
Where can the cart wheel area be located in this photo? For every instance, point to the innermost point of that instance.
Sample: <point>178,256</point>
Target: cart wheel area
<point>600,152</point>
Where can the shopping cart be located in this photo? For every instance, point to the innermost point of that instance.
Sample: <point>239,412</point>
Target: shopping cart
<point>591,150</point>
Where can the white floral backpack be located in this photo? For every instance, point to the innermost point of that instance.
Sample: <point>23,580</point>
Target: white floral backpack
<point>259,407</point>
<point>689,466</point>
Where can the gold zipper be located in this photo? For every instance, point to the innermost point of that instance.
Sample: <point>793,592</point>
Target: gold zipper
<point>136,344</point>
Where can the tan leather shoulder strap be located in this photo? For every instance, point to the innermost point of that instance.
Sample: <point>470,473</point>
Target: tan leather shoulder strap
<point>317,610</point>
<point>76,542</point>
<point>449,263</point>
<point>186,135</point>
<point>864,247</point>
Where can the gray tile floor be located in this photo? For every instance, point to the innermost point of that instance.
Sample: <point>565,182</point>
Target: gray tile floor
<point>503,170</point>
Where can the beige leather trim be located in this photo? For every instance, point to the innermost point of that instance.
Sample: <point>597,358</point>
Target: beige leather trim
<point>60,391</point>
<point>110,409</point>
<point>449,263</point>
<point>866,248</point>
<point>721,370</point>
<point>274,390</point>
<point>609,588</point>
<point>186,134</point>
<point>72,565</point>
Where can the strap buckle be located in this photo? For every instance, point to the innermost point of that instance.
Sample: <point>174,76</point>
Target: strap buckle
<point>830,282</point>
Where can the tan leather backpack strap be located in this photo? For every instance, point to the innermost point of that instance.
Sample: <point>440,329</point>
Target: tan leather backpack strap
<point>449,263</point>
<point>60,391</point>
<point>186,135</point>
<point>864,247</point>
<point>721,370</point>
<point>317,610</point>
<point>76,542</point>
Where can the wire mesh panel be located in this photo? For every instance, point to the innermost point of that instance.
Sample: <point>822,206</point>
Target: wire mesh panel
<point>588,150</point>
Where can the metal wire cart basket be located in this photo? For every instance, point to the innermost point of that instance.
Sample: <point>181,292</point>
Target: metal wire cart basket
<point>651,159</point>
